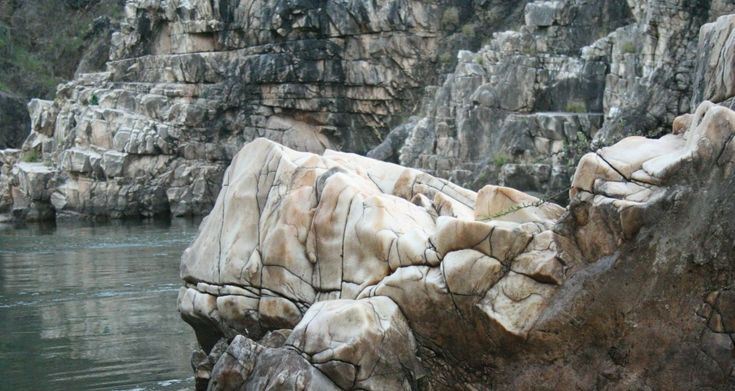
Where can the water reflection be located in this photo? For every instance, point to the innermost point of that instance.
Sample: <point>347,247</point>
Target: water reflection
<point>93,306</point>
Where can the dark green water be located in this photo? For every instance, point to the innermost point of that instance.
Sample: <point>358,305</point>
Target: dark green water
<point>93,307</point>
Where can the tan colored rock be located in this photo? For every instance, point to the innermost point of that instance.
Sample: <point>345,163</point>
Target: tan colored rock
<point>300,235</point>
<point>613,187</point>
<point>470,272</point>
<point>359,344</point>
<point>506,204</point>
<point>374,265</point>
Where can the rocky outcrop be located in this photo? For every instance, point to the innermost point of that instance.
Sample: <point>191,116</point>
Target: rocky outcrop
<point>393,279</point>
<point>522,110</point>
<point>332,246</point>
<point>189,82</point>
<point>714,80</point>
<point>14,121</point>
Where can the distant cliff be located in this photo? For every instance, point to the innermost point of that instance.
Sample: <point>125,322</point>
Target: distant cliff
<point>43,43</point>
<point>576,75</point>
<point>188,83</point>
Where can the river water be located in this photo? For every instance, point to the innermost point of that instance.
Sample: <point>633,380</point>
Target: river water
<point>93,307</point>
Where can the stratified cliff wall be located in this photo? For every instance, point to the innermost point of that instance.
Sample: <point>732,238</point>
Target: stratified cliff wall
<point>189,82</point>
<point>577,75</point>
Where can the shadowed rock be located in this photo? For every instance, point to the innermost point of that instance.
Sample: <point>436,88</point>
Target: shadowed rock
<point>14,121</point>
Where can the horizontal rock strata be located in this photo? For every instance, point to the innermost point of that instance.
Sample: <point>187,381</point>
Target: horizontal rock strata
<point>189,82</point>
<point>522,110</point>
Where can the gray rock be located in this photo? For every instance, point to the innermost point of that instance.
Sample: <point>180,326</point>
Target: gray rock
<point>43,116</point>
<point>542,13</point>
<point>714,78</point>
<point>635,79</point>
<point>188,83</point>
<point>113,163</point>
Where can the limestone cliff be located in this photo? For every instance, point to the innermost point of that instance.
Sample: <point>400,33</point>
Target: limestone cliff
<point>358,274</point>
<point>579,74</point>
<point>189,82</point>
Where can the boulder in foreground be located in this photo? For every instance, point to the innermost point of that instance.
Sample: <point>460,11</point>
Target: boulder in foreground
<point>390,278</point>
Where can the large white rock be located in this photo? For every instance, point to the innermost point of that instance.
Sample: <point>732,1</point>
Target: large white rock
<point>295,238</point>
<point>359,344</point>
<point>367,261</point>
<point>613,187</point>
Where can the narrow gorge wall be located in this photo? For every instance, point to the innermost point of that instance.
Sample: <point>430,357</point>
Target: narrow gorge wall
<point>577,75</point>
<point>189,82</point>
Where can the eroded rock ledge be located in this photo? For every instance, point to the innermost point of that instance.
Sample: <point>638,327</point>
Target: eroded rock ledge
<point>356,274</point>
<point>188,82</point>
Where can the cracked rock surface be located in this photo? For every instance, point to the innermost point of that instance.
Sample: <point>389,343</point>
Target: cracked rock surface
<point>389,278</point>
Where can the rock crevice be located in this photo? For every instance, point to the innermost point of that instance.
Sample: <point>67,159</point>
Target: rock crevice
<point>372,265</point>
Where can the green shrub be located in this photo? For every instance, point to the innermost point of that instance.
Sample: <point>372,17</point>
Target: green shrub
<point>30,156</point>
<point>445,58</point>
<point>41,42</point>
<point>628,47</point>
<point>450,18</point>
<point>94,100</point>
<point>501,159</point>
<point>469,30</point>
<point>575,107</point>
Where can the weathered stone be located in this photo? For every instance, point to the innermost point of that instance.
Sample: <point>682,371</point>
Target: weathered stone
<point>518,110</point>
<point>43,116</point>
<point>359,344</point>
<point>523,109</point>
<point>80,161</point>
<point>191,82</point>
<point>714,80</point>
<point>393,279</point>
<point>113,163</point>
<point>33,180</point>
<point>340,226</point>
<point>542,13</point>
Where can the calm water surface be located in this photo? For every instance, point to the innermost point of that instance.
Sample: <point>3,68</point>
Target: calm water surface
<point>93,307</point>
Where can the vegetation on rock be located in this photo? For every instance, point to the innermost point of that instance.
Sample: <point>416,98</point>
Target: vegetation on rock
<point>42,42</point>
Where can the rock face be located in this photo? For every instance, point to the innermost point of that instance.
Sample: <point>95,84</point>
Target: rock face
<point>390,278</point>
<point>14,121</point>
<point>714,80</point>
<point>189,82</point>
<point>522,110</point>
